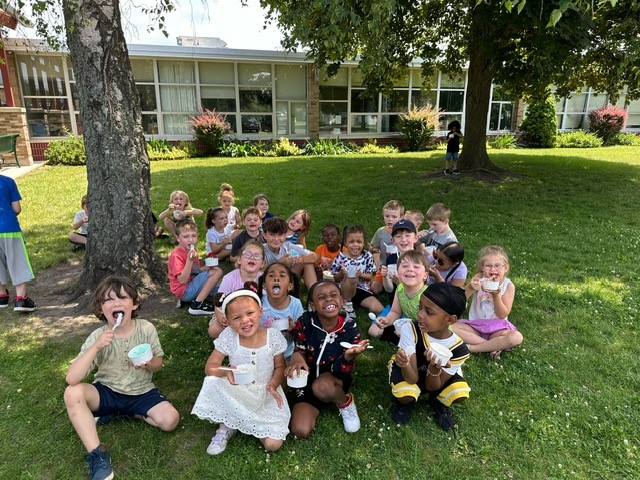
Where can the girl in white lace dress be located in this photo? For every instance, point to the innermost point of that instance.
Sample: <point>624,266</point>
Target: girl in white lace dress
<point>258,408</point>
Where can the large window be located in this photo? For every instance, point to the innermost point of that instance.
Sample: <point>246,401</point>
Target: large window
<point>451,99</point>
<point>143,74</point>
<point>291,99</point>
<point>217,89</point>
<point>501,111</point>
<point>45,94</point>
<point>177,95</point>
<point>572,111</point>
<point>334,102</point>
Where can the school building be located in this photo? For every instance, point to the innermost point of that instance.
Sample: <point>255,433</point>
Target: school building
<point>264,95</point>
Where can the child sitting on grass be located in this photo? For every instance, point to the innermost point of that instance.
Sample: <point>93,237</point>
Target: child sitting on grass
<point>179,209</point>
<point>80,223</point>
<point>119,388</point>
<point>219,234</point>
<point>188,281</point>
<point>317,337</point>
<point>227,197</point>
<point>415,368</point>
<point>251,220</point>
<point>262,203</point>
<point>329,248</point>
<point>300,260</point>
<point>488,328</point>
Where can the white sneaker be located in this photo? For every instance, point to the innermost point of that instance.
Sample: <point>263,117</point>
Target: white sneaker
<point>348,309</point>
<point>350,417</point>
<point>219,441</point>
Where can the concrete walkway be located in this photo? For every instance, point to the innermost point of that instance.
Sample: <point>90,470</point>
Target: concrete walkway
<point>15,172</point>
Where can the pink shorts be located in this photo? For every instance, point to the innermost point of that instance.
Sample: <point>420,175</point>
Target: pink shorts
<point>488,326</point>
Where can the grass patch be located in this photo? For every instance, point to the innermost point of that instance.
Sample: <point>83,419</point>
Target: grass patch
<point>562,406</point>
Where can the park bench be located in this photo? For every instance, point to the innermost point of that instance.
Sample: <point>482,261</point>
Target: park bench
<point>8,145</point>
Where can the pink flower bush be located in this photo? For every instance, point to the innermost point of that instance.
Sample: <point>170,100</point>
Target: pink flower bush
<point>209,127</point>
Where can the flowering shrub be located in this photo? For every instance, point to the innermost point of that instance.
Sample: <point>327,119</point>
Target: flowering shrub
<point>417,126</point>
<point>209,127</point>
<point>607,122</point>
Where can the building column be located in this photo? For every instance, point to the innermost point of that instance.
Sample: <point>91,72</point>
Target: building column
<point>313,103</point>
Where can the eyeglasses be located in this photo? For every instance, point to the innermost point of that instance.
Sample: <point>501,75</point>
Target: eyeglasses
<point>252,256</point>
<point>494,266</point>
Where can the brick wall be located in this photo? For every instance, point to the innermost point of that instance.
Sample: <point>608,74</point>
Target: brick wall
<point>14,120</point>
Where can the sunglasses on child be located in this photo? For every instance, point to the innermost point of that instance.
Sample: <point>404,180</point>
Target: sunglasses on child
<point>440,261</point>
<point>252,256</point>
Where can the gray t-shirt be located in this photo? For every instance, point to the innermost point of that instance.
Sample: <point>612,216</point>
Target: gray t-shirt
<point>433,239</point>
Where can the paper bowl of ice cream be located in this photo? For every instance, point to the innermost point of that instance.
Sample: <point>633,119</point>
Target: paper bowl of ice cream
<point>442,353</point>
<point>211,262</point>
<point>327,276</point>
<point>299,380</point>
<point>244,373</point>
<point>140,354</point>
<point>391,249</point>
<point>177,214</point>
<point>280,324</point>
<point>490,285</point>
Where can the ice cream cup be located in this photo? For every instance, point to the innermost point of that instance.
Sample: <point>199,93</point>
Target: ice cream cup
<point>244,373</point>
<point>391,249</point>
<point>491,285</point>
<point>176,214</point>
<point>140,354</point>
<point>351,271</point>
<point>327,275</point>
<point>298,381</point>
<point>442,353</point>
<point>211,262</point>
<point>392,269</point>
<point>280,324</point>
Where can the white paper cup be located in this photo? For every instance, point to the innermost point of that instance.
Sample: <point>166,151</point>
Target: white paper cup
<point>211,262</point>
<point>280,324</point>
<point>442,353</point>
<point>244,373</point>
<point>327,275</point>
<point>392,269</point>
<point>140,354</point>
<point>391,249</point>
<point>177,213</point>
<point>298,381</point>
<point>491,285</point>
<point>351,271</point>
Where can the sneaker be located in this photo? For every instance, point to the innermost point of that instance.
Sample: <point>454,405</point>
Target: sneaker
<point>442,414</point>
<point>4,299</point>
<point>348,309</point>
<point>99,464</point>
<point>447,171</point>
<point>201,308</point>
<point>78,246</point>
<point>400,412</point>
<point>23,304</point>
<point>107,418</point>
<point>350,417</point>
<point>219,440</point>
<point>456,172</point>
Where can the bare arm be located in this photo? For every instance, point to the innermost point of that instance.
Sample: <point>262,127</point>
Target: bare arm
<point>17,208</point>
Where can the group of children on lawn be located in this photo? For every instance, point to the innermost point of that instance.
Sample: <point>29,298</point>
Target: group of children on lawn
<point>420,274</point>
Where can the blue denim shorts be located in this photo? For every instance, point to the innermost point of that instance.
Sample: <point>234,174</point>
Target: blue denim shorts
<point>452,156</point>
<point>194,287</point>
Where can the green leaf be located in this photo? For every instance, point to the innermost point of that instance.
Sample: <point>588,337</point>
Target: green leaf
<point>555,18</point>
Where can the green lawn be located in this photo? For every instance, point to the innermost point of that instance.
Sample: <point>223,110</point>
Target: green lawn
<point>564,405</point>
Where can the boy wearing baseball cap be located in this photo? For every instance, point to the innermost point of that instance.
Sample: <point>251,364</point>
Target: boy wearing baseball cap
<point>421,366</point>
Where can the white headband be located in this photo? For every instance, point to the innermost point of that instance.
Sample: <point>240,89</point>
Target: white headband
<point>239,293</point>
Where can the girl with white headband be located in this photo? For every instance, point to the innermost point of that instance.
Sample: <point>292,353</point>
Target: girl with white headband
<point>257,408</point>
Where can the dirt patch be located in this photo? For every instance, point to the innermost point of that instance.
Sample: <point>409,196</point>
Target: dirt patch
<point>58,319</point>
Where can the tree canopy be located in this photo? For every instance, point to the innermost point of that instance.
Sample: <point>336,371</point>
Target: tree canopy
<point>523,45</point>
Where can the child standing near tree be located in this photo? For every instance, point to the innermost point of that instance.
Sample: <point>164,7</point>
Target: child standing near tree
<point>14,261</point>
<point>453,147</point>
<point>120,388</point>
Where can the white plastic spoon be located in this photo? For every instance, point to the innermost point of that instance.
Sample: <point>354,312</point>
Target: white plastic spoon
<point>228,369</point>
<point>373,316</point>
<point>118,321</point>
<point>351,345</point>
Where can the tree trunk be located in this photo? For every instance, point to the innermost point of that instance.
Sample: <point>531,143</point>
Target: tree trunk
<point>474,151</point>
<point>121,230</point>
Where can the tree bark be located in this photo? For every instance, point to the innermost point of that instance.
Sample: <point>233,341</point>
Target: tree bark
<point>474,151</point>
<point>121,230</point>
